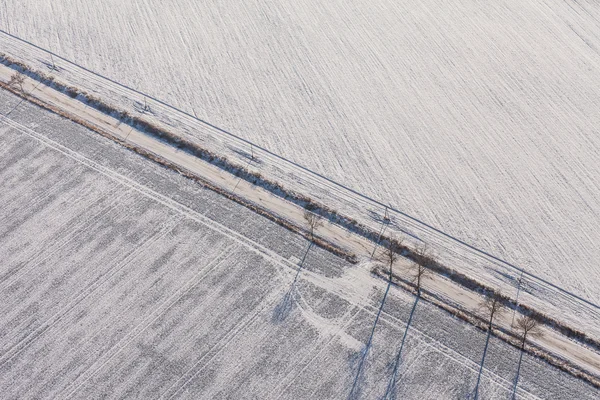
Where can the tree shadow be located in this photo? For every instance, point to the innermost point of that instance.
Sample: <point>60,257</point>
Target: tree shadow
<point>390,392</point>
<point>359,377</point>
<point>516,383</point>
<point>475,393</point>
<point>286,305</point>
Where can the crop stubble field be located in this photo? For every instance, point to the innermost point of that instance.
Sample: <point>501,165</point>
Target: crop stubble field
<point>479,118</point>
<point>123,279</point>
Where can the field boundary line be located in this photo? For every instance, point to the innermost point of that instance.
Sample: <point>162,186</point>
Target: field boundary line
<point>186,171</point>
<point>371,200</point>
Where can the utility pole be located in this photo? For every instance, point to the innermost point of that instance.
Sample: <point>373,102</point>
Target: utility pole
<point>53,65</point>
<point>384,224</point>
<point>520,283</point>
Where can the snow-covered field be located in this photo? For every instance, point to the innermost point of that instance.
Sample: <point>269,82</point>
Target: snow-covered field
<point>120,278</point>
<point>477,117</point>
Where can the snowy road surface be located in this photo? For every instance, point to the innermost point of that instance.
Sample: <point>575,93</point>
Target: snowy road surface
<point>581,356</point>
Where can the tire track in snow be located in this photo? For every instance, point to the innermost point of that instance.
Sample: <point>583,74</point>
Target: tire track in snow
<point>259,249</point>
<point>159,198</point>
<point>64,240</point>
<point>230,335</point>
<point>449,243</point>
<point>315,356</point>
<point>158,312</point>
<point>17,348</point>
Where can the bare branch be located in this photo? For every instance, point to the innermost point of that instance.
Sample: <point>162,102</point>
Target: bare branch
<point>16,81</point>
<point>313,221</point>
<point>420,267</point>
<point>492,305</point>
<point>391,252</point>
<point>527,326</point>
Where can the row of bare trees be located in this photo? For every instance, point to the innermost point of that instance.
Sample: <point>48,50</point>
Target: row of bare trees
<point>389,255</point>
<point>388,258</point>
<point>492,307</point>
<point>418,270</point>
<point>525,326</point>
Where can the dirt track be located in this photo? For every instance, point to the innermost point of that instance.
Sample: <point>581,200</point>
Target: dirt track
<point>553,342</point>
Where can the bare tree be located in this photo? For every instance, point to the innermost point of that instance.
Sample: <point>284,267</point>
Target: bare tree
<point>391,252</point>
<point>313,221</point>
<point>526,326</point>
<point>493,306</point>
<point>388,257</point>
<point>16,81</point>
<point>420,267</point>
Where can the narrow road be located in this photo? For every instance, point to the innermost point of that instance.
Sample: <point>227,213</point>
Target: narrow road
<point>551,341</point>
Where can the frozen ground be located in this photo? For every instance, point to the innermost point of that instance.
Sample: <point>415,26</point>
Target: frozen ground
<point>537,294</point>
<point>479,118</point>
<point>122,279</point>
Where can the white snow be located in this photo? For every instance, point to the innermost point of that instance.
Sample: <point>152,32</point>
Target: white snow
<point>479,118</point>
<point>122,279</point>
